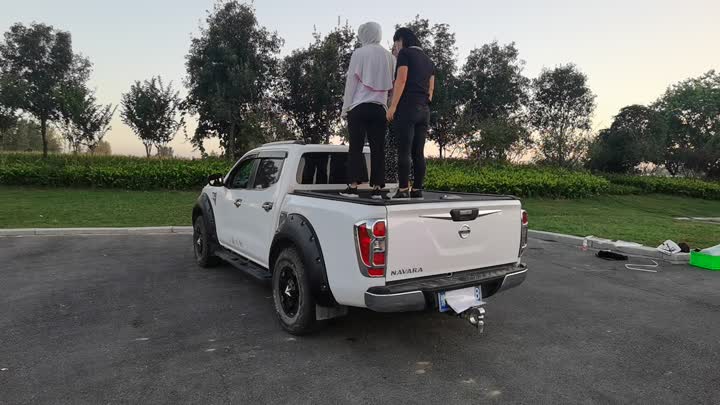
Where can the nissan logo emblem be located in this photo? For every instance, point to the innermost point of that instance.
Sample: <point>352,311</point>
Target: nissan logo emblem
<point>464,231</point>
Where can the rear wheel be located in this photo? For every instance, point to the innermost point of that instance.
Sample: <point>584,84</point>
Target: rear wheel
<point>294,304</point>
<point>201,246</point>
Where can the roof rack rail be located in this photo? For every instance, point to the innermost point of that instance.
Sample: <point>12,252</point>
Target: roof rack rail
<point>295,142</point>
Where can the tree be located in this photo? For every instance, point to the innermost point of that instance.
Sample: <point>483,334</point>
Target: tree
<point>231,66</point>
<point>692,112</point>
<point>312,84</point>
<point>439,43</point>
<point>494,140</point>
<point>8,113</point>
<point>103,148</point>
<point>422,29</point>
<point>74,102</point>
<point>97,125</point>
<point>82,120</point>
<point>560,111</point>
<point>7,118</point>
<point>165,152</point>
<point>494,93</point>
<point>494,85</point>
<point>40,60</point>
<point>638,134</point>
<point>153,112</point>
<point>24,136</point>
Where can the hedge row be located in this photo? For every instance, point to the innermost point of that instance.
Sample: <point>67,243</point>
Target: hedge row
<point>525,181</point>
<point>669,185</point>
<point>451,175</point>
<point>107,172</point>
<point>182,174</point>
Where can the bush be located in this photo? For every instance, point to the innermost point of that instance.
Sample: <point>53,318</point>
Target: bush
<point>524,181</point>
<point>107,171</point>
<point>670,185</point>
<point>622,189</point>
<point>133,173</point>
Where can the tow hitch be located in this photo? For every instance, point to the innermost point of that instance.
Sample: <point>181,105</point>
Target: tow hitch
<point>466,303</point>
<point>476,317</point>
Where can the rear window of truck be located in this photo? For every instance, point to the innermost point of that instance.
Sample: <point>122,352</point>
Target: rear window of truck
<point>326,168</point>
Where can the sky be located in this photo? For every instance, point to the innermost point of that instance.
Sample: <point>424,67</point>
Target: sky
<point>631,50</point>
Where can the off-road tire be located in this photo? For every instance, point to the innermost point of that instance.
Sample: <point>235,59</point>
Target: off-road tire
<point>294,303</point>
<point>201,245</point>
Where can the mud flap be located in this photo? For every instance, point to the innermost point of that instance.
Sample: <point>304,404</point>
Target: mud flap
<point>322,313</point>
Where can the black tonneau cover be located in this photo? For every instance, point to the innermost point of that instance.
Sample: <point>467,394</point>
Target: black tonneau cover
<point>428,197</point>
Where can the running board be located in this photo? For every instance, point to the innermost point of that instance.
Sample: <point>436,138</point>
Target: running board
<point>243,264</point>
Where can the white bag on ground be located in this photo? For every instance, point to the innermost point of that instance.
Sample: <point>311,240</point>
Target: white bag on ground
<point>669,247</point>
<point>712,251</point>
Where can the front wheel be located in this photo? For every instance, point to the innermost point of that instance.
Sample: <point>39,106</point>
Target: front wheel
<point>201,244</point>
<point>294,304</point>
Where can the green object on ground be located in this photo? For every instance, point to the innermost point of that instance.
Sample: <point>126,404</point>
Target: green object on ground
<point>705,261</point>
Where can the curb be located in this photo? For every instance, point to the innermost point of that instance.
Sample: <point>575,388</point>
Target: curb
<point>600,244</point>
<point>592,243</point>
<point>150,230</point>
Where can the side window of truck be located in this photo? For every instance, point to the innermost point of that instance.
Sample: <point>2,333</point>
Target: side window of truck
<point>240,176</point>
<point>268,173</point>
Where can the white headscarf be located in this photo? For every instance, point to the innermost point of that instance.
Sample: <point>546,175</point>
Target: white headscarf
<point>372,65</point>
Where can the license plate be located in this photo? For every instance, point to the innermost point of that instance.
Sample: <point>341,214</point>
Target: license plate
<point>443,306</point>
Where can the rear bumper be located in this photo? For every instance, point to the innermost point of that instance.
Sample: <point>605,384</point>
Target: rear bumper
<point>418,295</point>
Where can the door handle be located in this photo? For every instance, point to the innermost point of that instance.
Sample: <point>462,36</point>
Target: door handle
<point>238,203</point>
<point>267,206</point>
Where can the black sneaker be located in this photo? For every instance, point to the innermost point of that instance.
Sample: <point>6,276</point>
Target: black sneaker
<point>416,194</point>
<point>401,195</point>
<point>350,192</point>
<point>377,194</point>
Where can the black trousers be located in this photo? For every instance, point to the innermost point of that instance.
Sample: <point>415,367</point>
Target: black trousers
<point>367,121</point>
<point>411,127</point>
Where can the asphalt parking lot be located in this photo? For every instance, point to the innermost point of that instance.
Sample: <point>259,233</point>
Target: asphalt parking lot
<point>110,319</point>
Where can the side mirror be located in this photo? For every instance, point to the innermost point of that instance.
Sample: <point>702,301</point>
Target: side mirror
<point>216,180</point>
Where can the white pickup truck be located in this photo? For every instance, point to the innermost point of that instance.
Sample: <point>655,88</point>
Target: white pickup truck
<point>278,214</point>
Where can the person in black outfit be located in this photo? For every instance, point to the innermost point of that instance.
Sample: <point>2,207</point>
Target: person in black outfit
<point>410,110</point>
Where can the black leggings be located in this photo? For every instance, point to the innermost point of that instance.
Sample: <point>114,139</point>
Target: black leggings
<point>367,120</point>
<point>411,127</point>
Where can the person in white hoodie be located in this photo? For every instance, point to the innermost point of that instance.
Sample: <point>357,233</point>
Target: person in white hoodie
<point>369,79</point>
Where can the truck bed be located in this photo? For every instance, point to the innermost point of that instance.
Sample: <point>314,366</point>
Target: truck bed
<point>428,197</point>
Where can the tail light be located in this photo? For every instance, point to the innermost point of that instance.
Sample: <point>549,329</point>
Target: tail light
<point>523,232</point>
<point>370,237</point>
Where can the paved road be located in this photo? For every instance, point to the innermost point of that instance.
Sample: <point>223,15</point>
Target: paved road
<point>131,319</point>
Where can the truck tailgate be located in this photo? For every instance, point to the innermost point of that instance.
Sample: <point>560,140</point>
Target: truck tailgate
<point>426,240</point>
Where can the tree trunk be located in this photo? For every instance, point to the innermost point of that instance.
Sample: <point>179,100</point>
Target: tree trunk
<point>231,141</point>
<point>148,149</point>
<point>43,133</point>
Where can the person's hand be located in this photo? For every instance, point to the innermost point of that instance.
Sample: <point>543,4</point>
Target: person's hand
<point>390,113</point>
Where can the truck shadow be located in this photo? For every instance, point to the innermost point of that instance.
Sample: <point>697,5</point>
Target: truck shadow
<point>360,324</point>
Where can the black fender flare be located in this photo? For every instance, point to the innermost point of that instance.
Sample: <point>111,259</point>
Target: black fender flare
<point>296,230</point>
<point>204,207</point>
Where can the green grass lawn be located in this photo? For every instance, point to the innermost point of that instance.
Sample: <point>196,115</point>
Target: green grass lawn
<point>646,219</point>
<point>22,207</point>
